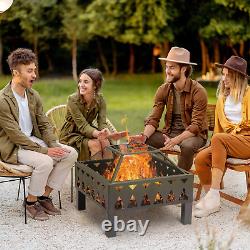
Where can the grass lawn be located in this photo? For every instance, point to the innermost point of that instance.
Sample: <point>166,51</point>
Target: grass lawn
<point>126,95</point>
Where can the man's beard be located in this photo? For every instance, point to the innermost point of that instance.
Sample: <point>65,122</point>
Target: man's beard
<point>174,79</point>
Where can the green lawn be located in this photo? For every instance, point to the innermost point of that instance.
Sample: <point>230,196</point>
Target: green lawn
<point>126,95</point>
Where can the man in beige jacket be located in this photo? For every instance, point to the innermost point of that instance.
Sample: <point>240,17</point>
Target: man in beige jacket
<point>26,137</point>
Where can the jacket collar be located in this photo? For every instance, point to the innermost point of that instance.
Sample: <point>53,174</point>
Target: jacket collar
<point>8,91</point>
<point>95,101</point>
<point>187,86</point>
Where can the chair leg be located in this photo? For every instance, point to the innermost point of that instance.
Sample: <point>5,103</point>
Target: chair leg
<point>24,200</point>
<point>18,192</point>
<point>248,179</point>
<point>59,198</point>
<point>198,193</point>
<point>71,179</point>
<point>244,210</point>
<point>222,184</point>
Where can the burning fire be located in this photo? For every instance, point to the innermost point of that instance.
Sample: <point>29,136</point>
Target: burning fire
<point>133,167</point>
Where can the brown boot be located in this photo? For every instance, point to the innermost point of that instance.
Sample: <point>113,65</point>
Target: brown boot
<point>36,212</point>
<point>48,206</point>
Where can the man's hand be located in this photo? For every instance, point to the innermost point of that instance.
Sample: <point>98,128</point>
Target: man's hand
<point>57,152</point>
<point>170,142</point>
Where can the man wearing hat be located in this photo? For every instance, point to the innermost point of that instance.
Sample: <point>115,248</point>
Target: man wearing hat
<point>186,103</point>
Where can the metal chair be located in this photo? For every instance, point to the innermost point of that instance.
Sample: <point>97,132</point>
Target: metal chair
<point>8,171</point>
<point>56,116</point>
<point>20,173</point>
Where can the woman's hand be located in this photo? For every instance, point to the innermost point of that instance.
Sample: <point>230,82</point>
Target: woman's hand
<point>103,134</point>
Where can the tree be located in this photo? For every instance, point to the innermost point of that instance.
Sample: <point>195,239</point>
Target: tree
<point>74,28</point>
<point>35,18</point>
<point>131,22</point>
<point>226,28</point>
<point>6,25</point>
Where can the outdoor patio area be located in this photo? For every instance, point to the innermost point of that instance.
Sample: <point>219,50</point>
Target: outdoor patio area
<point>82,229</point>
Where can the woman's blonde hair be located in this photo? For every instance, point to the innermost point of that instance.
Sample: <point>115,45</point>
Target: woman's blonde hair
<point>238,86</point>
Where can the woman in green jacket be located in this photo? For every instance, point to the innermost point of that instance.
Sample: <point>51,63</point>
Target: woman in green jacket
<point>83,107</point>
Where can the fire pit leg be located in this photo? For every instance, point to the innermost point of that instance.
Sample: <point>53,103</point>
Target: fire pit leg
<point>186,213</point>
<point>111,232</point>
<point>80,201</point>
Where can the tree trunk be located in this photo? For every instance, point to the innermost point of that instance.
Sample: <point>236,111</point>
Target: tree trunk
<point>74,58</point>
<point>242,47</point>
<point>1,54</point>
<point>131,69</point>
<point>208,60</point>
<point>114,57</point>
<point>204,57</point>
<point>232,48</point>
<point>156,52</point>
<point>49,62</point>
<point>164,51</point>
<point>216,51</point>
<point>103,58</point>
<point>164,48</point>
<point>35,48</point>
<point>153,64</point>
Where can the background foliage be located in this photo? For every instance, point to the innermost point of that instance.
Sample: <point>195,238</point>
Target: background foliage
<point>121,35</point>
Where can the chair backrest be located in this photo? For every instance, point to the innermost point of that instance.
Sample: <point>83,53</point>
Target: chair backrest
<point>211,116</point>
<point>57,117</point>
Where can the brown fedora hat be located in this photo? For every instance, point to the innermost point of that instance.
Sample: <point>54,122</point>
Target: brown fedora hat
<point>178,55</point>
<point>235,63</point>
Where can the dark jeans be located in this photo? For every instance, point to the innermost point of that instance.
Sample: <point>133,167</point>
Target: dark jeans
<point>188,147</point>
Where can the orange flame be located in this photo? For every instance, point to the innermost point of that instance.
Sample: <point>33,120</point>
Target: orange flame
<point>133,167</point>
<point>124,122</point>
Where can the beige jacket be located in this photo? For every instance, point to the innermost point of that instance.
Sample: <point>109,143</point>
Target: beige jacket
<point>11,136</point>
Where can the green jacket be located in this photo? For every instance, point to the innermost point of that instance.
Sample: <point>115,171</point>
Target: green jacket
<point>79,119</point>
<point>11,136</point>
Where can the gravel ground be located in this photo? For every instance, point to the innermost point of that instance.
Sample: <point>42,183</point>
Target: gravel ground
<point>82,229</point>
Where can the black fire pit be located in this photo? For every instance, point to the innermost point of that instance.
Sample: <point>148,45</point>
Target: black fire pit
<point>137,177</point>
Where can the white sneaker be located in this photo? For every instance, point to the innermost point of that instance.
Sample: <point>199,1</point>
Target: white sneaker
<point>209,204</point>
<point>199,213</point>
<point>209,200</point>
